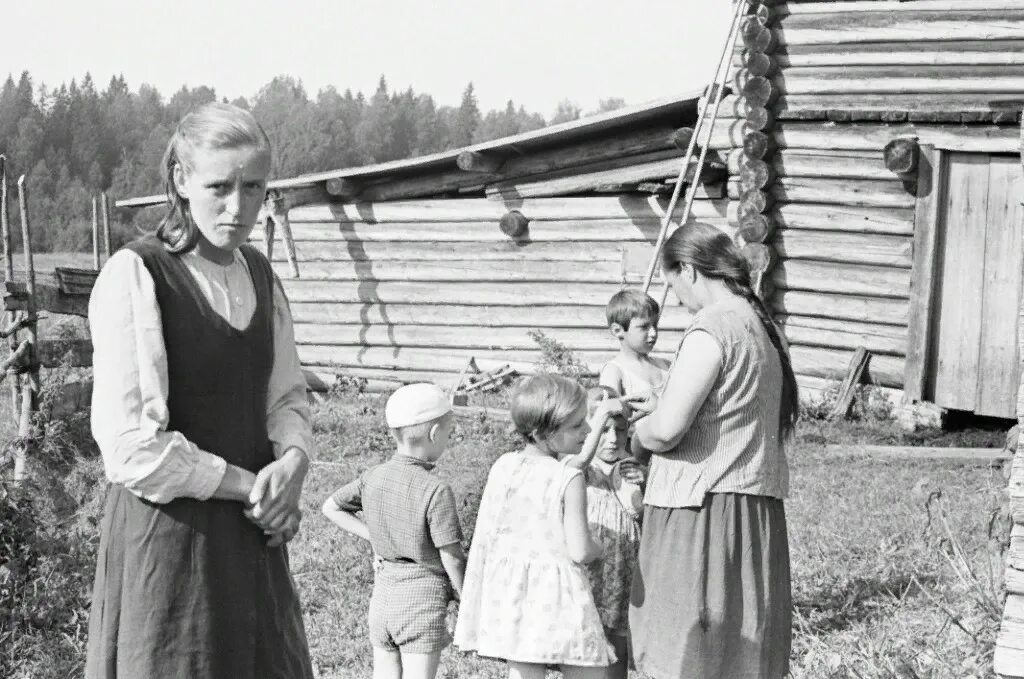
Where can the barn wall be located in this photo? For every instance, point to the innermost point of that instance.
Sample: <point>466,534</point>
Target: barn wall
<point>821,88</point>
<point>412,289</point>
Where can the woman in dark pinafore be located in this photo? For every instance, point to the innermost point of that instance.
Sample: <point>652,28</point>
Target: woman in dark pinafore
<point>200,412</point>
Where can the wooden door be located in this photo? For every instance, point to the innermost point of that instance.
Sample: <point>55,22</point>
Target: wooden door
<point>978,291</point>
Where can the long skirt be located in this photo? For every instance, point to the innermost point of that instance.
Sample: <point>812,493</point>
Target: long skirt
<point>189,590</point>
<point>711,598</point>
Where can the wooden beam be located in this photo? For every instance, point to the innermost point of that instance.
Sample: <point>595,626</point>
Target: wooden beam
<point>484,210</point>
<point>466,315</point>
<point>844,218</point>
<point>1000,79</point>
<point>457,337</point>
<point>900,155</point>
<point>853,248</point>
<point>569,182</point>
<point>343,188</point>
<point>932,180</point>
<point>856,192</point>
<point>915,53</point>
<point>841,306</point>
<point>478,161</point>
<point>847,390</point>
<point>847,279</point>
<point>877,338</point>
<point>978,139</point>
<point>757,63</point>
<point>784,9</point>
<point>910,26</point>
<point>832,364</point>
<point>513,224</point>
<point>891,107</point>
<point>348,240</point>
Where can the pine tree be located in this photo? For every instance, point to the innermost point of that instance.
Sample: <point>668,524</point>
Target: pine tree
<point>467,119</point>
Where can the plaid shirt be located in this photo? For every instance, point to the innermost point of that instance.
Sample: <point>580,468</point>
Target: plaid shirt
<point>409,511</point>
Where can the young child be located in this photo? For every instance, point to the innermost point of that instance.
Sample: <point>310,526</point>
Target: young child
<point>614,502</point>
<point>633,320</point>
<point>527,598</point>
<point>410,519</point>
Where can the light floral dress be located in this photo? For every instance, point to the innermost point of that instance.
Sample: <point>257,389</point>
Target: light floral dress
<point>524,599</point>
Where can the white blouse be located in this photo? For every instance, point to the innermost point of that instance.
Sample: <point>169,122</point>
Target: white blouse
<point>129,398</point>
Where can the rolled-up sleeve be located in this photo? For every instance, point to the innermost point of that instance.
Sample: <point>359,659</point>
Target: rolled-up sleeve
<point>288,416</point>
<point>129,399</point>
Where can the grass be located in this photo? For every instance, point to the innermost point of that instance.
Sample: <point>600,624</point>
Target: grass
<point>873,594</point>
<point>896,565</point>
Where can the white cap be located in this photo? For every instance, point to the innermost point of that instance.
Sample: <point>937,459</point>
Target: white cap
<point>416,404</point>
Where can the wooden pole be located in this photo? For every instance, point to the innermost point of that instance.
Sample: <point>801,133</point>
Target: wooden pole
<point>30,386</point>
<point>717,94</point>
<point>95,234</point>
<point>10,316</point>
<point>105,214</point>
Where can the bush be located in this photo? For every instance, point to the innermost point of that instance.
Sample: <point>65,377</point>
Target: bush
<point>555,357</point>
<point>48,539</point>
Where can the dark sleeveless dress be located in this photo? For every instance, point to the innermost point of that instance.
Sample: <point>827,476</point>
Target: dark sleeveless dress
<point>189,588</point>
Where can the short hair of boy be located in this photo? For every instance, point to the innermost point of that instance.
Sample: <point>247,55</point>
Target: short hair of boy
<point>625,305</point>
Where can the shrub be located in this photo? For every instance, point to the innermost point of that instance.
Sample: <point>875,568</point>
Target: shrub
<point>48,539</point>
<point>555,357</point>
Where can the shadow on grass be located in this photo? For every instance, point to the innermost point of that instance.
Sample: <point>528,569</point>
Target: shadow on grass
<point>841,606</point>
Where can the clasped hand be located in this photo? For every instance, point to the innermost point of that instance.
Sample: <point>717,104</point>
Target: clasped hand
<point>273,503</point>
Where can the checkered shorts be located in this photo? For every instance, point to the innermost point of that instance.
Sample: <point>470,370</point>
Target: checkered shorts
<point>408,609</point>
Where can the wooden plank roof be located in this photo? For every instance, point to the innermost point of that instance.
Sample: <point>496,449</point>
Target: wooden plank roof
<point>669,108</point>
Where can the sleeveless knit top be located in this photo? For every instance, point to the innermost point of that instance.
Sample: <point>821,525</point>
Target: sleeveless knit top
<point>733,444</point>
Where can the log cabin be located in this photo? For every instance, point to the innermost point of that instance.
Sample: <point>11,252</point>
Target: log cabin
<point>864,155</point>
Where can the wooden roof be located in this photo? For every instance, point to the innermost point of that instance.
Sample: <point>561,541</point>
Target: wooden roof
<point>672,110</point>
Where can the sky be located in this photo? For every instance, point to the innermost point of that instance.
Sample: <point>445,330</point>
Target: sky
<point>535,52</point>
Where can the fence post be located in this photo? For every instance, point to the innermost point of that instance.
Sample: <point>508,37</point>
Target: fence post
<point>11,316</point>
<point>105,213</point>
<point>95,234</point>
<point>30,386</point>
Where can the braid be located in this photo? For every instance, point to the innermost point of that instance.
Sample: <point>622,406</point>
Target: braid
<point>789,409</point>
<point>713,253</point>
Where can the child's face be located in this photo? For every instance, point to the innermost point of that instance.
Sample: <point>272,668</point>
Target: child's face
<point>568,439</point>
<point>225,189</point>
<point>640,337</point>
<point>611,447</point>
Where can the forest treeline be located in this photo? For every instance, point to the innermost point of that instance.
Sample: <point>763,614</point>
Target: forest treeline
<point>76,140</point>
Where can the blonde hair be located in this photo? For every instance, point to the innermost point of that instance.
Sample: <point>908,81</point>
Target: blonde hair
<point>211,126</point>
<point>543,403</point>
<point>601,392</point>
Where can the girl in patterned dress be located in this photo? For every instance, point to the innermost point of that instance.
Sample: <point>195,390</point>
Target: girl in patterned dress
<point>614,501</point>
<point>527,597</point>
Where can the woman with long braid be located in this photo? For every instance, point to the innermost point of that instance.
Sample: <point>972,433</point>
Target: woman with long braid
<point>711,598</point>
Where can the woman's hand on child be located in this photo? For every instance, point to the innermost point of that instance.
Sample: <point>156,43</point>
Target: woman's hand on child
<point>641,405</point>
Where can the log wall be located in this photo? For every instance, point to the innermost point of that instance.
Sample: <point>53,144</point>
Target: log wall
<point>411,290</point>
<point>836,82</point>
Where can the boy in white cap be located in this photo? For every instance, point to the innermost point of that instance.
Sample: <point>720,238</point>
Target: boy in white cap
<point>410,519</point>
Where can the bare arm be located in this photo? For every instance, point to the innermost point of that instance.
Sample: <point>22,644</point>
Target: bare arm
<point>236,484</point>
<point>597,422</point>
<point>611,376</point>
<point>579,544</point>
<point>453,558</point>
<point>347,521</point>
<point>689,383</point>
